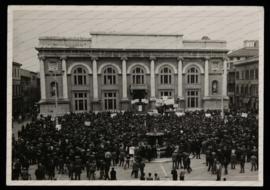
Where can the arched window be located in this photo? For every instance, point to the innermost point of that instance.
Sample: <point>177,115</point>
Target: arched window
<point>138,75</point>
<point>54,89</point>
<point>165,76</point>
<point>109,76</point>
<point>215,86</point>
<point>193,76</point>
<point>79,76</point>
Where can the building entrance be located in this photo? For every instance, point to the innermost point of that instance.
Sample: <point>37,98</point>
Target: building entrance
<point>138,97</point>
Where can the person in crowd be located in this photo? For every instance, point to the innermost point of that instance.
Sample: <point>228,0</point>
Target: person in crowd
<point>182,176</point>
<point>242,163</point>
<point>218,170</point>
<point>142,177</point>
<point>135,169</point>
<point>127,161</point>
<point>113,174</point>
<point>156,177</point>
<point>78,167</point>
<point>40,172</point>
<point>149,178</point>
<point>39,142</point>
<point>16,172</point>
<point>141,167</point>
<point>174,174</point>
<point>253,160</point>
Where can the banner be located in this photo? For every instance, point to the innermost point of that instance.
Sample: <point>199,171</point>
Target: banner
<point>208,115</point>
<point>169,102</point>
<point>179,114</point>
<point>113,115</point>
<point>164,98</point>
<point>58,127</point>
<point>146,101</point>
<point>134,101</point>
<point>132,150</point>
<point>244,115</point>
<point>87,123</point>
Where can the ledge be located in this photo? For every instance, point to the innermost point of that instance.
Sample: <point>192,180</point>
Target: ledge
<point>52,101</point>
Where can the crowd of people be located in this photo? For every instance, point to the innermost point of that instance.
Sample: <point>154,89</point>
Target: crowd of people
<point>103,144</point>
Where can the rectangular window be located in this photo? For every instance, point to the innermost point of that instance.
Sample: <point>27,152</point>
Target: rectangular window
<point>237,75</point>
<point>252,74</point>
<point>167,93</point>
<point>247,74</point>
<point>110,101</point>
<point>256,74</point>
<point>243,75</point>
<point>80,101</point>
<point>192,98</point>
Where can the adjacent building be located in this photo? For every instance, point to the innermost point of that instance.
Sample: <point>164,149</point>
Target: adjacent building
<point>243,76</point>
<point>17,96</point>
<point>30,85</point>
<point>25,91</point>
<point>113,71</point>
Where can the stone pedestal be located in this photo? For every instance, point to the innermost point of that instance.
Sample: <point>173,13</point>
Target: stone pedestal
<point>152,103</point>
<point>47,107</point>
<point>215,103</point>
<point>125,104</point>
<point>181,103</point>
<point>96,105</point>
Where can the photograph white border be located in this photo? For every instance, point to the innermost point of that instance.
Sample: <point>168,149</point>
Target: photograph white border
<point>11,182</point>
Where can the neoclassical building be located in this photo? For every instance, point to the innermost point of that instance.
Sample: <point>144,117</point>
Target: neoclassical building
<point>113,71</point>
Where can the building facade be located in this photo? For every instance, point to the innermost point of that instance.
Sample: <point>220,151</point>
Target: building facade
<point>109,72</point>
<point>30,85</point>
<point>17,97</point>
<point>243,76</point>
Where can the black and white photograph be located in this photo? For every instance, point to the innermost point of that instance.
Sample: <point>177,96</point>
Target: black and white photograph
<point>135,95</point>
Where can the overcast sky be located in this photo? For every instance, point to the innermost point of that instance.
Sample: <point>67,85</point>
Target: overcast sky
<point>233,24</point>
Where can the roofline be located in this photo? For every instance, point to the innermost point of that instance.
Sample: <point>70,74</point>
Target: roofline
<point>33,72</point>
<point>16,63</point>
<point>132,34</point>
<point>124,49</point>
<point>246,48</point>
<point>219,41</point>
<point>63,38</point>
<point>250,60</point>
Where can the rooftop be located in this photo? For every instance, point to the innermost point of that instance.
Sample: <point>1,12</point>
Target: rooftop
<point>131,41</point>
<point>245,61</point>
<point>245,52</point>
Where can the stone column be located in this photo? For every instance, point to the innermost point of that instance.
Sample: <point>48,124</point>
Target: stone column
<point>42,78</point>
<point>152,77</point>
<point>124,77</point>
<point>180,77</point>
<point>206,77</point>
<point>64,69</point>
<point>95,82</point>
<point>224,85</point>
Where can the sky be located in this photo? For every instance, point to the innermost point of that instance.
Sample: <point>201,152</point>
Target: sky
<point>232,24</point>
